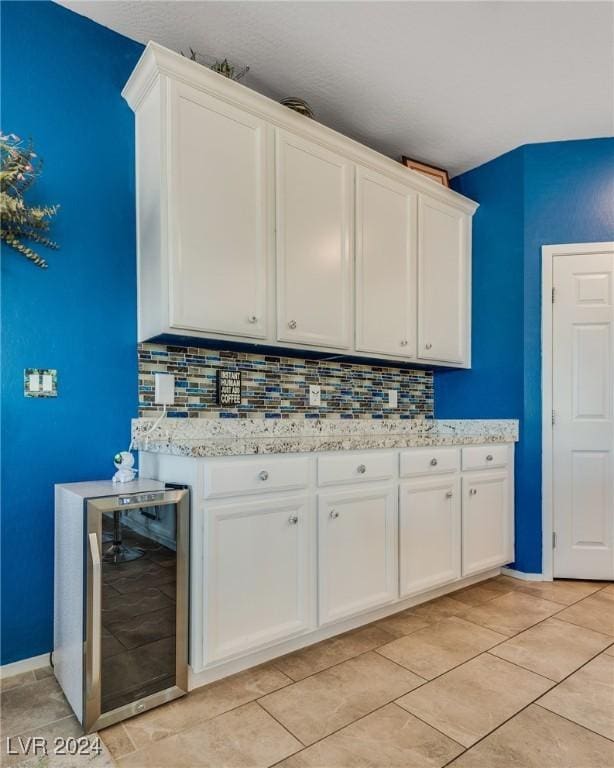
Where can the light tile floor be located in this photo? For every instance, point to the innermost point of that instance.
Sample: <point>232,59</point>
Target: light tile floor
<point>505,674</point>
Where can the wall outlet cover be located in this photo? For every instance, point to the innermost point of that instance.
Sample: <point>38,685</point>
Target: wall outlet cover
<point>393,398</point>
<point>165,388</point>
<point>40,382</point>
<point>315,394</point>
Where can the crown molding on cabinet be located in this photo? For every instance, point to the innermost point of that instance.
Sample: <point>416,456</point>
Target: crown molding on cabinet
<point>157,61</point>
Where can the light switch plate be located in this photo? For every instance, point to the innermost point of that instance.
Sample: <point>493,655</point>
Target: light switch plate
<point>393,399</point>
<point>40,382</point>
<point>315,394</point>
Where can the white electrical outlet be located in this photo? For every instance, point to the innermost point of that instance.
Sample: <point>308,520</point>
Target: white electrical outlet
<point>165,389</point>
<point>393,398</point>
<point>314,394</point>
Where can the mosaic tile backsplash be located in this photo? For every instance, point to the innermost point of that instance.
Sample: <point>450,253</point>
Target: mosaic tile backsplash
<point>278,387</point>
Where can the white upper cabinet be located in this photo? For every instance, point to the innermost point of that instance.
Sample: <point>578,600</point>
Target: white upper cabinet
<point>314,214</point>
<point>218,178</point>
<point>444,276</point>
<point>257,224</point>
<point>385,265</point>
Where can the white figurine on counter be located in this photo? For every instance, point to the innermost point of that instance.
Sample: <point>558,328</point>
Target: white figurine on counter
<point>124,463</point>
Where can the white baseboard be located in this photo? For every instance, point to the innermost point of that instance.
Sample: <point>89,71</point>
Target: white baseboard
<point>25,665</point>
<point>522,575</point>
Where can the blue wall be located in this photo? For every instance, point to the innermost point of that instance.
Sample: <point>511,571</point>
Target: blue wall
<point>540,194</point>
<point>61,81</point>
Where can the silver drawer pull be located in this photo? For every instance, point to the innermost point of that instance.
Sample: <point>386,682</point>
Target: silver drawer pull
<point>449,494</point>
<point>489,457</point>
<point>361,469</point>
<point>253,319</point>
<point>428,346</point>
<point>473,491</point>
<point>292,324</point>
<point>404,343</point>
<point>334,514</point>
<point>433,462</point>
<point>293,519</point>
<point>264,475</point>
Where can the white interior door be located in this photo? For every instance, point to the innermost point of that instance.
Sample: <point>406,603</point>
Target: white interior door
<point>583,399</point>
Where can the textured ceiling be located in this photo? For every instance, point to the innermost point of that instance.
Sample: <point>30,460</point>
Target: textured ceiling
<point>452,83</point>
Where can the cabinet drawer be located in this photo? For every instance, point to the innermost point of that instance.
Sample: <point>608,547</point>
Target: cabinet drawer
<point>484,456</point>
<point>355,468</point>
<point>237,477</point>
<point>429,461</point>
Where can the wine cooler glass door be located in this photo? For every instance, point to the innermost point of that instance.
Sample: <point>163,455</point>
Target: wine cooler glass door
<point>136,635</point>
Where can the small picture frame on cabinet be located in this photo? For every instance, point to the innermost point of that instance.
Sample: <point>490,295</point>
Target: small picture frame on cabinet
<point>436,174</point>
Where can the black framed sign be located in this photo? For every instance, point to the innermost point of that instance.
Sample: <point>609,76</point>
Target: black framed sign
<point>228,387</point>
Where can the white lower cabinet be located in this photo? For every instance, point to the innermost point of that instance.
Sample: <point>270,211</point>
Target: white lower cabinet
<point>259,577</point>
<point>429,534</point>
<point>357,551</point>
<point>488,533</point>
<point>287,550</point>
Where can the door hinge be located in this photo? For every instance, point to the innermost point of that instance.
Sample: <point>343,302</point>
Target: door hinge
<point>553,417</point>
<point>553,539</point>
<point>553,294</point>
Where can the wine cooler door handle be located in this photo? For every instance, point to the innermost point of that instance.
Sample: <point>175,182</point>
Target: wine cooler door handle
<point>96,608</point>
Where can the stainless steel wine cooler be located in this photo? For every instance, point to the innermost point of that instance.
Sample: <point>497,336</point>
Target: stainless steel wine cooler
<point>121,597</point>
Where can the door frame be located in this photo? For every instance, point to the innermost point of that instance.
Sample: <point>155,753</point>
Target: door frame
<point>549,253</point>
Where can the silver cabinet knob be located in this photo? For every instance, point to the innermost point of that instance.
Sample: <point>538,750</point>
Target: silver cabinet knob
<point>404,343</point>
<point>473,491</point>
<point>292,324</point>
<point>264,475</point>
<point>361,469</point>
<point>489,457</point>
<point>253,319</point>
<point>334,514</point>
<point>428,346</point>
<point>449,494</point>
<point>293,519</point>
<point>433,462</point>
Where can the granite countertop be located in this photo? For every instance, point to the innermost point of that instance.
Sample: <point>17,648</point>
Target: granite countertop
<point>236,437</point>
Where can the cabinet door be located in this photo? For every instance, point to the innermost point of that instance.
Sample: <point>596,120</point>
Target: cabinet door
<point>259,576</point>
<point>487,521</point>
<point>429,534</point>
<point>386,291</point>
<point>314,216</point>
<point>357,551</point>
<point>219,218</point>
<point>443,282</point>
